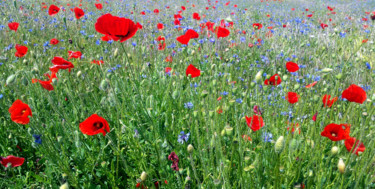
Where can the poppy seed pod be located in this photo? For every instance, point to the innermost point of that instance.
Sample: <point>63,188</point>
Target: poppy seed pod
<point>229,130</point>
<point>143,176</point>
<point>190,148</point>
<point>279,144</point>
<point>341,166</point>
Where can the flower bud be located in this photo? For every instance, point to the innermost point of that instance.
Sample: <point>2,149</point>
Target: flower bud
<point>326,70</point>
<point>143,176</point>
<point>341,166</point>
<point>10,80</point>
<point>334,150</point>
<point>279,145</point>
<point>190,148</point>
<point>115,52</point>
<point>258,76</point>
<point>64,186</point>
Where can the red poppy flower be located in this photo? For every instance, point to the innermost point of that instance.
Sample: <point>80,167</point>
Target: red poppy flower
<point>78,13</point>
<point>183,8</point>
<point>327,102</point>
<point>161,46</point>
<point>293,127</point>
<point>106,38</point>
<point>192,71</point>
<point>168,69</point>
<point>160,26</point>
<point>292,97</point>
<point>255,122</point>
<point>19,112</point>
<point>98,62</point>
<point>196,16</point>
<point>257,26</point>
<point>354,93</point>
<point>222,32</point>
<point>54,41</point>
<point>60,63</point>
<point>156,11</point>
<point>309,16</point>
<point>13,26</point>
<point>210,26</point>
<point>139,26</point>
<point>94,125</point>
<point>192,34</point>
<point>177,22</point>
<point>73,54</point>
<point>160,38</point>
<point>292,67</point>
<point>183,39</point>
<point>21,51</point>
<point>115,27</point>
<point>323,25</point>
<point>358,145</point>
<point>311,84</point>
<point>99,6</point>
<point>272,80</point>
<point>12,161</point>
<point>53,9</point>
<point>45,84</point>
<point>336,132</point>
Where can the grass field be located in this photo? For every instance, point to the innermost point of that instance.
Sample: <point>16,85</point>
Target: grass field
<point>187,94</point>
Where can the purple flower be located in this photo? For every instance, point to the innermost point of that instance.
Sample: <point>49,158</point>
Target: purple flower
<point>174,158</point>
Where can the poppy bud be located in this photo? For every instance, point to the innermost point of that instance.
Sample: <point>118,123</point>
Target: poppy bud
<point>10,80</point>
<point>115,52</point>
<point>258,76</point>
<point>24,61</point>
<point>326,70</point>
<point>296,86</point>
<point>34,70</point>
<point>104,84</point>
<point>143,176</point>
<point>190,148</point>
<point>334,150</point>
<point>175,94</point>
<point>222,132</point>
<point>25,81</point>
<point>229,130</point>
<point>79,73</point>
<point>293,144</point>
<point>214,82</point>
<point>339,76</point>
<point>195,114</point>
<point>204,93</point>
<point>310,142</point>
<point>211,113</point>
<point>341,166</point>
<point>279,144</point>
<point>285,77</point>
<point>64,186</point>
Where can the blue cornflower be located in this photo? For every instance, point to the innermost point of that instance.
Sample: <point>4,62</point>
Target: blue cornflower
<point>182,137</point>
<point>188,105</point>
<point>136,133</point>
<point>134,44</point>
<point>224,93</point>
<point>368,65</point>
<point>238,100</point>
<point>267,137</point>
<point>1,96</point>
<point>38,139</point>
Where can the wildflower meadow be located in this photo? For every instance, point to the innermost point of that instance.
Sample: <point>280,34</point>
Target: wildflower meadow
<point>187,94</point>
